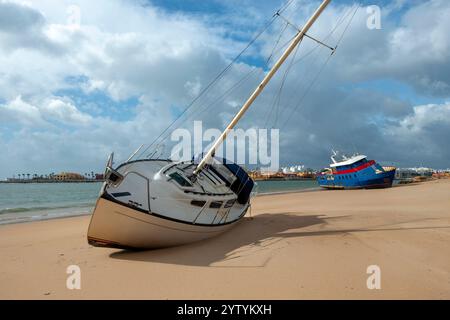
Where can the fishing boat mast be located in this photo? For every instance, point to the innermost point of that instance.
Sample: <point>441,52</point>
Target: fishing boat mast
<point>301,33</point>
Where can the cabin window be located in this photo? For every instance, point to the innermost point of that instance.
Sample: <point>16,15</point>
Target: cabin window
<point>198,203</point>
<point>215,204</point>
<point>229,203</point>
<point>180,180</point>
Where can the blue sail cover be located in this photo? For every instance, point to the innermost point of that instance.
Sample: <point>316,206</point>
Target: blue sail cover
<point>243,185</point>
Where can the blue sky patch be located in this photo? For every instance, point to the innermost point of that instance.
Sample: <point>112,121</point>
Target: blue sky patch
<point>97,102</point>
<point>397,89</point>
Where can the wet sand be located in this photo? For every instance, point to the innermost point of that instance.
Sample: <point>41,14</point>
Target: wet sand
<point>313,245</point>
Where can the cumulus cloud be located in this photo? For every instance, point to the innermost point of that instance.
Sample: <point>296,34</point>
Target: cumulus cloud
<point>21,112</point>
<point>412,49</point>
<point>65,112</point>
<point>424,117</point>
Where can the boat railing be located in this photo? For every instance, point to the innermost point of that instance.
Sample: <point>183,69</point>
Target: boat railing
<point>200,212</point>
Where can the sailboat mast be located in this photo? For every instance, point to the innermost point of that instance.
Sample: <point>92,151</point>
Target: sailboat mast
<point>262,85</point>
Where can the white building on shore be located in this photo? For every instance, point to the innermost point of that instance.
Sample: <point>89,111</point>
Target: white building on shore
<point>293,169</point>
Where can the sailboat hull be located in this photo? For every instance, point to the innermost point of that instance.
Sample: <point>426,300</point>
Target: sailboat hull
<point>117,226</point>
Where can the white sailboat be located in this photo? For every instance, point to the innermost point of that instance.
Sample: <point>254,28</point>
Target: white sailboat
<point>152,203</point>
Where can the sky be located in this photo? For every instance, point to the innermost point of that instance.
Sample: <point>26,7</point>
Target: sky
<point>80,79</point>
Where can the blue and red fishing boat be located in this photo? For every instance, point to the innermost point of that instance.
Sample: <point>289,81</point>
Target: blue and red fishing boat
<point>355,172</point>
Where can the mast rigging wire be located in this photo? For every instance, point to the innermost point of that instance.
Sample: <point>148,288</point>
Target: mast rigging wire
<point>274,51</point>
<point>322,67</point>
<point>219,76</point>
<point>277,98</point>
<point>247,76</point>
<point>307,54</point>
<point>340,21</point>
<point>206,106</point>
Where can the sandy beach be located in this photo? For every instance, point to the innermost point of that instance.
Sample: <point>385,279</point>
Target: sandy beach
<point>312,245</point>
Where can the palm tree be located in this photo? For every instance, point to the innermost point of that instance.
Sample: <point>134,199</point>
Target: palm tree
<point>28,175</point>
<point>19,175</point>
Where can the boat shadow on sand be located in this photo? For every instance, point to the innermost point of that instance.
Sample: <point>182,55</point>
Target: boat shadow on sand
<point>249,244</point>
<point>254,241</point>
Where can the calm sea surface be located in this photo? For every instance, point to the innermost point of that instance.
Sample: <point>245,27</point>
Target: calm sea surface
<point>27,202</point>
<point>35,201</point>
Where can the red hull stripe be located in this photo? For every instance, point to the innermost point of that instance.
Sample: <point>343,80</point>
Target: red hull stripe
<point>363,166</point>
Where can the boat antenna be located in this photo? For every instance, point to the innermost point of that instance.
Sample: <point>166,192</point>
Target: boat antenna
<point>335,153</point>
<point>207,158</point>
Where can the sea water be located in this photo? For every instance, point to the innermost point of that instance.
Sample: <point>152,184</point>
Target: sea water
<point>22,202</point>
<point>281,186</point>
